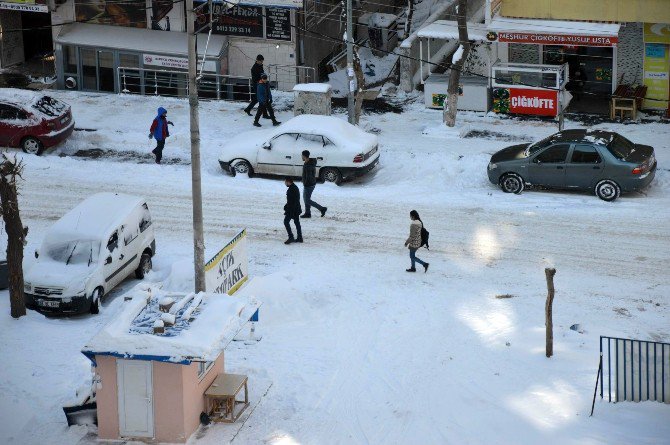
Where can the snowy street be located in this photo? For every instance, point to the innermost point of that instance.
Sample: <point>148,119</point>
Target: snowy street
<point>356,350</point>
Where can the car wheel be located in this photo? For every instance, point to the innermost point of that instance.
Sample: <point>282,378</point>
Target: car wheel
<point>32,146</point>
<point>330,174</point>
<point>144,266</point>
<point>243,167</point>
<point>511,183</point>
<point>96,296</point>
<point>607,190</point>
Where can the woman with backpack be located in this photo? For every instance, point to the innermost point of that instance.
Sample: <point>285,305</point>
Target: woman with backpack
<point>414,241</point>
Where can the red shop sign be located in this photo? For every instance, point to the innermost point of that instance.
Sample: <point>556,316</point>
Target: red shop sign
<point>535,102</point>
<point>557,39</point>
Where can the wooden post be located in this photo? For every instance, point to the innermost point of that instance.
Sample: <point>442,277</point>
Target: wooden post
<point>549,324</point>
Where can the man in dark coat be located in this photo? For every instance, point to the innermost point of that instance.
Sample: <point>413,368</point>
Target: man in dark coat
<point>264,101</point>
<point>159,131</point>
<point>256,72</point>
<point>292,211</point>
<point>308,185</point>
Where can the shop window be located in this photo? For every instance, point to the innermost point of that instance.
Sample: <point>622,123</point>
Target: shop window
<point>89,69</point>
<point>106,71</point>
<point>69,60</point>
<point>129,78</point>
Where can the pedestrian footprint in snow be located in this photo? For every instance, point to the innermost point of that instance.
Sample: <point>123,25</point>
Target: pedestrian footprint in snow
<point>159,131</point>
<point>415,241</point>
<point>292,211</point>
<point>308,184</point>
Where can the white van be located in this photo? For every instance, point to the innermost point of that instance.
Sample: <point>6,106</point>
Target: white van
<point>90,250</point>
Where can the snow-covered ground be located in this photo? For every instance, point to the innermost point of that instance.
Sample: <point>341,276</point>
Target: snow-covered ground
<point>354,349</point>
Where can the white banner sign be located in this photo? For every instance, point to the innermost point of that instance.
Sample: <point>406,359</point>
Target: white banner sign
<point>24,7</point>
<point>166,61</point>
<point>229,269</point>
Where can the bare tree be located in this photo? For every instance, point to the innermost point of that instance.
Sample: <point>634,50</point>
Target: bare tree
<point>458,61</point>
<point>10,169</point>
<point>359,95</point>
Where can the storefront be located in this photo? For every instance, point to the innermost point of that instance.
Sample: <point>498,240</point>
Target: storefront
<point>589,49</point>
<point>657,65</point>
<point>117,59</point>
<point>25,25</point>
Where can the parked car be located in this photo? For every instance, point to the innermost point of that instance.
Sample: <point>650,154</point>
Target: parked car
<point>90,250</point>
<point>603,162</point>
<point>33,122</point>
<point>343,151</point>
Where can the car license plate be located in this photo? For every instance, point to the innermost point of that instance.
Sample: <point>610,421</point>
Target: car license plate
<point>47,303</point>
<point>64,119</point>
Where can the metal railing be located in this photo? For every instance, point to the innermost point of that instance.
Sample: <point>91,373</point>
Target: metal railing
<point>285,77</point>
<point>637,370</point>
<point>174,83</point>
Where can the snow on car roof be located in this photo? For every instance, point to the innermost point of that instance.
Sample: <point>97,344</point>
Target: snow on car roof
<point>337,130</point>
<point>94,217</point>
<point>37,103</point>
<point>600,137</point>
<point>207,323</point>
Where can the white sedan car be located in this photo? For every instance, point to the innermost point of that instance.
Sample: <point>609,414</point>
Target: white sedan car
<point>342,151</point>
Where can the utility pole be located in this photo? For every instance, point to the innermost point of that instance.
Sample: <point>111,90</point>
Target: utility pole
<point>350,63</point>
<point>196,190</point>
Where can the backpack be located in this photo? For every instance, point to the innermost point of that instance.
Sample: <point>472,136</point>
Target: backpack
<point>424,237</point>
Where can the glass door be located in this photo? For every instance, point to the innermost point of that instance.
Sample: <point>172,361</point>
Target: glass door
<point>106,71</point>
<point>89,78</point>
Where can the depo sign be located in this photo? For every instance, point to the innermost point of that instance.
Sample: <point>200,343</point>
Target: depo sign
<point>228,270</point>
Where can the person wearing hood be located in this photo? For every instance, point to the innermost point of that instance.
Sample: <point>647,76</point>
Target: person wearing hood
<point>308,185</point>
<point>159,131</point>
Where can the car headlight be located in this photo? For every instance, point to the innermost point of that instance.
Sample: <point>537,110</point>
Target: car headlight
<point>27,287</point>
<point>492,166</point>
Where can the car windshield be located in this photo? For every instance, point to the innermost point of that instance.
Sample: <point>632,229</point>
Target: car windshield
<point>621,147</point>
<point>74,252</point>
<point>539,145</point>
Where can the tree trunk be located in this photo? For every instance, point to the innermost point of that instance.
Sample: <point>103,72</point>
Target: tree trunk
<point>360,85</point>
<point>16,234</point>
<point>451,102</point>
<point>549,323</point>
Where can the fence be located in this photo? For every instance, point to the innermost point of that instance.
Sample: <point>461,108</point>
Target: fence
<point>637,370</point>
<point>175,83</point>
<point>284,77</point>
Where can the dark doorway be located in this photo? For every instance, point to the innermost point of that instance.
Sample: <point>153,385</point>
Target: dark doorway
<point>37,40</point>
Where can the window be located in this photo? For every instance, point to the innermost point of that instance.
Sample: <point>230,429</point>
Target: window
<point>553,155</point>
<point>203,367</point>
<point>113,242</point>
<point>327,141</point>
<point>7,112</point>
<point>70,60</point>
<point>621,147</point>
<point>585,154</point>
<point>145,221</point>
<point>311,138</point>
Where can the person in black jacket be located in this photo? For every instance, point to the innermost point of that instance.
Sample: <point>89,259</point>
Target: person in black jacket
<point>292,211</point>
<point>308,185</point>
<point>256,72</point>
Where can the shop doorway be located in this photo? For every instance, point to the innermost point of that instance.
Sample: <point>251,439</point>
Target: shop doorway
<point>97,68</point>
<point>37,39</point>
<point>590,71</point>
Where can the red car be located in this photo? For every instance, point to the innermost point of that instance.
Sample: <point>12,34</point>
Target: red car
<point>33,122</point>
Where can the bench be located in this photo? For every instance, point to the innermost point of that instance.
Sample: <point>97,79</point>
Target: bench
<point>627,98</point>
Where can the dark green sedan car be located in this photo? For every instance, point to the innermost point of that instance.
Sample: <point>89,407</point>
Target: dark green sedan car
<point>602,162</point>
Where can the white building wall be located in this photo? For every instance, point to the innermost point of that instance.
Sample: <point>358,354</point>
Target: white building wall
<point>242,54</point>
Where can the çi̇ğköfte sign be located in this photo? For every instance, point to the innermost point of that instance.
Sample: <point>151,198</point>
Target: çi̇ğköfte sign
<point>557,39</point>
<point>228,270</point>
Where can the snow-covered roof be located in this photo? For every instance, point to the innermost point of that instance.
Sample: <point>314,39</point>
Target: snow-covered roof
<point>313,87</point>
<point>448,30</point>
<point>204,325</point>
<point>141,40</point>
<point>337,130</point>
<point>506,24</point>
<point>94,218</point>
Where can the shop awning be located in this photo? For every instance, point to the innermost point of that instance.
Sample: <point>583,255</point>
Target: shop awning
<point>137,40</point>
<point>553,32</point>
<point>448,30</point>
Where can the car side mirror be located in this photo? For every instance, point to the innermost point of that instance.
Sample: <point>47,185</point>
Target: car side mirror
<point>267,146</point>
<point>37,253</point>
<point>108,260</point>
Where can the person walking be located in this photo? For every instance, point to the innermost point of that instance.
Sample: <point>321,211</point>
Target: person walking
<point>265,101</point>
<point>308,185</point>
<point>159,131</point>
<point>292,211</point>
<point>414,241</point>
<point>256,71</point>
